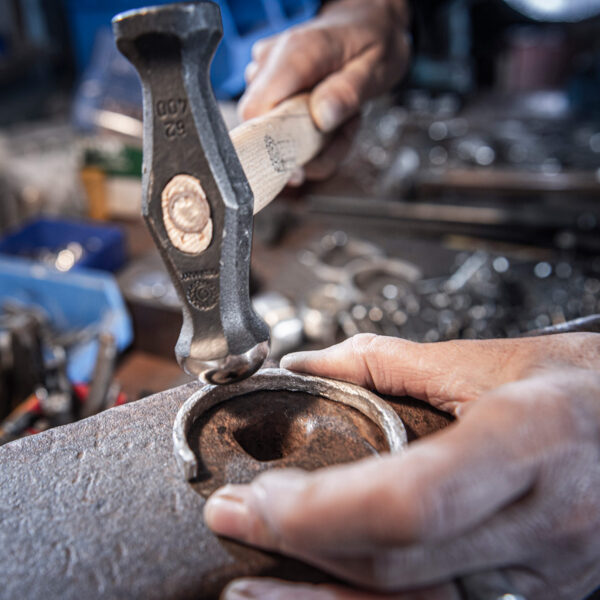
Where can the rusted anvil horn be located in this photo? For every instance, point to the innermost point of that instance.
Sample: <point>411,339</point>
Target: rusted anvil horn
<point>198,186</point>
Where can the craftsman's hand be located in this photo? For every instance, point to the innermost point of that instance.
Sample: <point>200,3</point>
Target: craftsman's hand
<point>352,51</point>
<point>513,485</point>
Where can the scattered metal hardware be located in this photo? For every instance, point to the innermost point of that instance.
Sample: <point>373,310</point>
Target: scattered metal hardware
<point>399,149</point>
<point>278,379</point>
<point>334,253</point>
<point>372,278</point>
<point>358,273</point>
<point>485,296</point>
<point>465,272</point>
<point>321,309</point>
<point>281,315</point>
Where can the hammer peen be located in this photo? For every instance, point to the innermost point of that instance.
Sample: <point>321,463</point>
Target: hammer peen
<point>201,185</point>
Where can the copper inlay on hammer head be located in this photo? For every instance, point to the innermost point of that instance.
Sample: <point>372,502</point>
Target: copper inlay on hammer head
<point>186,214</point>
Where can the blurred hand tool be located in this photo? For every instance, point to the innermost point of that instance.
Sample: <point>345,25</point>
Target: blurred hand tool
<point>589,324</point>
<point>20,419</point>
<point>97,398</point>
<point>201,186</point>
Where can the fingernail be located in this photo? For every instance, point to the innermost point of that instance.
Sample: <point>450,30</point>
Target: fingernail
<point>226,511</point>
<point>461,410</point>
<point>239,590</point>
<point>294,360</point>
<point>256,588</point>
<point>256,49</point>
<point>250,71</point>
<point>328,115</point>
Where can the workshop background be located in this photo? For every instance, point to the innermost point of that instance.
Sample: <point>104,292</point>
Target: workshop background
<point>468,206</point>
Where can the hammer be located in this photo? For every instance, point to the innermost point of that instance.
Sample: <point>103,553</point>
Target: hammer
<point>201,185</point>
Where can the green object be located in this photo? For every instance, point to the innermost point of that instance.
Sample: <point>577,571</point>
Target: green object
<point>126,162</point>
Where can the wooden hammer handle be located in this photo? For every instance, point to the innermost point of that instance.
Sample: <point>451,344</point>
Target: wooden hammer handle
<point>273,146</point>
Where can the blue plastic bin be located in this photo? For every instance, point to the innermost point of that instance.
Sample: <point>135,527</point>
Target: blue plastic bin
<point>73,301</point>
<point>103,245</point>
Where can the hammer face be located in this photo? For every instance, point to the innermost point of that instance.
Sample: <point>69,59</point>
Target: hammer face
<point>196,200</point>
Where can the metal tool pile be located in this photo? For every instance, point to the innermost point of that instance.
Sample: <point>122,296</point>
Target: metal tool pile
<point>485,296</point>
<point>35,391</point>
<point>397,146</point>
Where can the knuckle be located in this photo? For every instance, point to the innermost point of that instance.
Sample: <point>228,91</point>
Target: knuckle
<point>304,50</point>
<point>372,352</point>
<point>295,39</point>
<point>361,342</point>
<point>260,47</point>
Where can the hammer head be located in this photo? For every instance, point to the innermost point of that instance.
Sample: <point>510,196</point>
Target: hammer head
<point>197,202</point>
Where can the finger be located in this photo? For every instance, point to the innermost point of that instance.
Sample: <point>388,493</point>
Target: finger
<point>260,51</point>
<point>438,488</point>
<point>250,72</point>
<point>342,93</point>
<point>329,160</point>
<point>262,47</point>
<point>445,374</point>
<point>272,589</point>
<point>297,178</point>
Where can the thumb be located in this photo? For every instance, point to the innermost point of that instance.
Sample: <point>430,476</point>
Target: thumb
<point>341,94</point>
